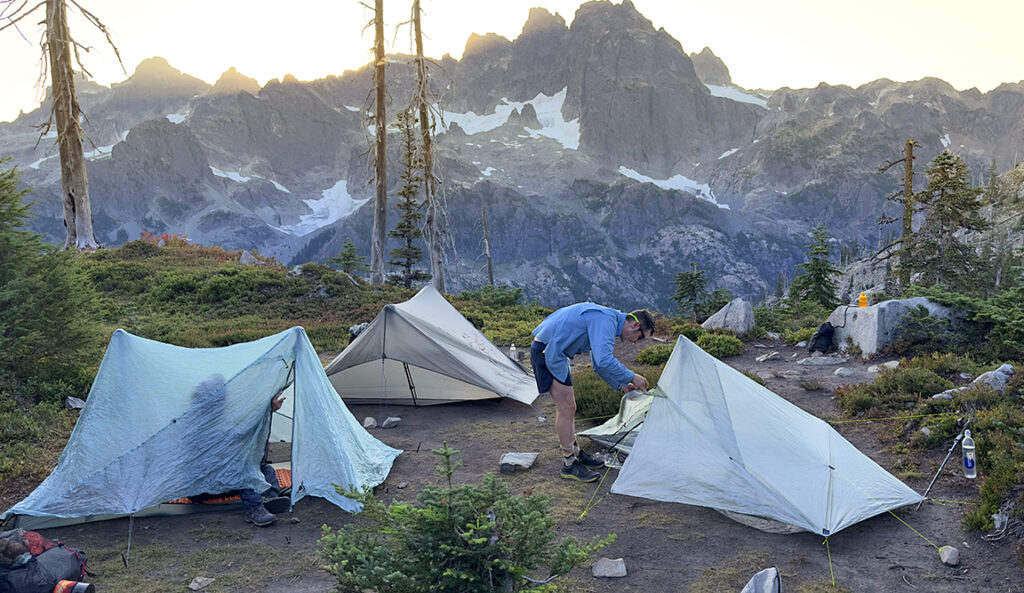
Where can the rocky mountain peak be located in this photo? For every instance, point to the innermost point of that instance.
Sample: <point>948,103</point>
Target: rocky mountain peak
<point>542,20</point>
<point>490,43</point>
<point>155,77</point>
<point>710,68</point>
<point>232,82</point>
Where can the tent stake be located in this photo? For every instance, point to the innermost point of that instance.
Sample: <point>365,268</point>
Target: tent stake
<point>128,554</point>
<point>956,441</point>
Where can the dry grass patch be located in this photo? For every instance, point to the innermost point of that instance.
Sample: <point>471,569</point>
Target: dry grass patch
<point>732,573</point>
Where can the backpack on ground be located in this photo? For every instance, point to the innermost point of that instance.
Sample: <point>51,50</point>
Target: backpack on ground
<point>821,341</point>
<point>42,566</point>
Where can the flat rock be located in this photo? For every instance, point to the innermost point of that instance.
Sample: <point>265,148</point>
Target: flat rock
<point>513,462</point>
<point>766,357</point>
<point>822,361</point>
<point>390,422</point>
<point>949,555</point>
<point>607,567</point>
<point>844,372</point>
<point>199,583</point>
<point>369,422</point>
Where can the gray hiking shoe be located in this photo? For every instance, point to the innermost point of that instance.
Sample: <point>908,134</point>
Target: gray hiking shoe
<point>579,472</point>
<point>259,516</point>
<point>277,504</point>
<point>589,460</point>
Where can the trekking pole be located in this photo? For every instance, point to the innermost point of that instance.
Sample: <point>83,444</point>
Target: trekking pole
<point>956,441</point>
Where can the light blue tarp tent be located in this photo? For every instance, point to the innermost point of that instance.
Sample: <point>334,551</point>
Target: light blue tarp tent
<point>711,436</point>
<point>163,422</point>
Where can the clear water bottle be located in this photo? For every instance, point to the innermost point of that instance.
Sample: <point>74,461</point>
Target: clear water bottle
<point>970,462</point>
<point>512,352</point>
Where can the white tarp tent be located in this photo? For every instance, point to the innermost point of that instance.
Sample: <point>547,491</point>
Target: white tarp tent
<point>163,422</point>
<point>424,352</point>
<point>714,437</point>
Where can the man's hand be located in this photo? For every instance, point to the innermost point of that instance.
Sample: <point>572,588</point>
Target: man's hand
<point>277,402</point>
<point>639,382</point>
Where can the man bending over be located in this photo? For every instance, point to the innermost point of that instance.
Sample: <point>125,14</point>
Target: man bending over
<point>572,330</point>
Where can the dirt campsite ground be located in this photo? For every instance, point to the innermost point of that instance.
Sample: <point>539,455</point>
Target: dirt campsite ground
<point>666,547</point>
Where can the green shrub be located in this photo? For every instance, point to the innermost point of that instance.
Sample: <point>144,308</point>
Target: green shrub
<point>501,296</point>
<point>691,330</point>
<point>770,318</point>
<point>998,432</point>
<point>799,335</point>
<point>946,364</point>
<point>31,438</point>
<point>596,400</point>
<point>464,539</point>
<point>654,355</point>
<point>720,346</point>
<point>892,391</point>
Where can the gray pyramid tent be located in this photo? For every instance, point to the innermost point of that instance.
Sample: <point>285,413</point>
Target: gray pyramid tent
<point>423,352</point>
<point>714,437</point>
<point>163,422</point>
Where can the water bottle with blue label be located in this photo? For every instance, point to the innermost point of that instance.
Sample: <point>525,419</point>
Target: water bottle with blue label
<point>970,462</point>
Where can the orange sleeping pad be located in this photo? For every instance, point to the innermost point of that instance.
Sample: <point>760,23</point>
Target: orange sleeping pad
<point>284,478</point>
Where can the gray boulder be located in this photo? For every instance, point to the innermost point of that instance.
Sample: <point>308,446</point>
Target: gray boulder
<point>248,259</point>
<point>737,317</point>
<point>872,328</point>
<point>997,380</point>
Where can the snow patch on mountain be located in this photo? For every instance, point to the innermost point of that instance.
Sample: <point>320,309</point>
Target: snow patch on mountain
<point>737,94</point>
<point>98,153</point>
<point>677,182</point>
<point>335,204</point>
<point>229,175</point>
<point>549,114</point>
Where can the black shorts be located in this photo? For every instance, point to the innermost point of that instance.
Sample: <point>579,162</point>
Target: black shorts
<point>540,369</point>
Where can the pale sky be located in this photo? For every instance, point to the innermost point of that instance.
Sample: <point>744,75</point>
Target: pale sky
<point>765,43</point>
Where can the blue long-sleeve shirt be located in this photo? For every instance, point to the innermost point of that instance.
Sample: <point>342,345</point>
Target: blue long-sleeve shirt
<point>579,328</point>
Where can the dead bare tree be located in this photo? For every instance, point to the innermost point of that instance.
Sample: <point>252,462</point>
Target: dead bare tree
<point>435,212</point>
<point>487,249</point>
<point>905,242</point>
<point>58,46</point>
<point>380,204</point>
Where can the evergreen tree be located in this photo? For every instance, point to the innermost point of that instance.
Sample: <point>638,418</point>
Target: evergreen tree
<point>408,228</point>
<point>48,339</point>
<point>718,298</point>
<point>818,282</point>
<point>951,206</point>
<point>691,289</point>
<point>349,260</point>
